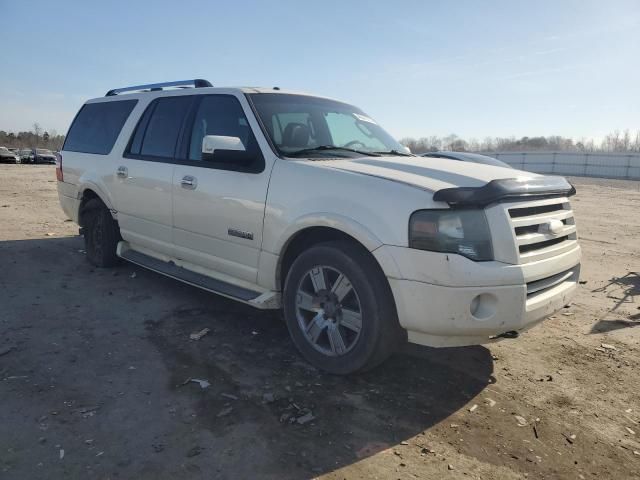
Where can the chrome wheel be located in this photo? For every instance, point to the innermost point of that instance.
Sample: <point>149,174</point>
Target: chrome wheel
<point>328,311</point>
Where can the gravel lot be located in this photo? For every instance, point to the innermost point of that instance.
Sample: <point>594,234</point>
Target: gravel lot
<point>94,370</point>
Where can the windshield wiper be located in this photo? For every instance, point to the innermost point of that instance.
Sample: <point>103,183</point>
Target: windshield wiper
<point>395,152</point>
<point>323,148</point>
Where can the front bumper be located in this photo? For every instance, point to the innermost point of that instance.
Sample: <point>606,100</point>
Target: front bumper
<point>448,300</point>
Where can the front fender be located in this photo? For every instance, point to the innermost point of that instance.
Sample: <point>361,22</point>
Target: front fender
<point>331,220</point>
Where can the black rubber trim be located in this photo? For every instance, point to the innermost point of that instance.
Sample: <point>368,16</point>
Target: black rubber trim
<point>505,189</point>
<point>202,281</point>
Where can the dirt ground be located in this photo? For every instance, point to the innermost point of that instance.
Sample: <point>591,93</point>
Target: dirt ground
<point>94,370</point>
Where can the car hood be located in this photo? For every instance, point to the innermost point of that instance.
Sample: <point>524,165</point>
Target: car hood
<point>431,174</point>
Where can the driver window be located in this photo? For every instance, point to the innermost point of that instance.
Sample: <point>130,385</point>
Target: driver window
<point>220,115</point>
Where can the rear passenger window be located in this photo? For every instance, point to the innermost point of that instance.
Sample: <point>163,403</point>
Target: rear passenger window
<point>97,126</point>
<point>161,132</point>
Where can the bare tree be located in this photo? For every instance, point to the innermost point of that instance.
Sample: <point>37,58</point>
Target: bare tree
<point>37,129</point>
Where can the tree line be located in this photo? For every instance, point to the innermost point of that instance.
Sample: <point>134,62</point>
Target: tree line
<point>36,138</point>
<point>616,141</point>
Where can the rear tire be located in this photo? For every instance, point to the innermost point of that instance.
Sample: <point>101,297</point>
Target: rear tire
<point>101,234</point>
<point>336,295</point>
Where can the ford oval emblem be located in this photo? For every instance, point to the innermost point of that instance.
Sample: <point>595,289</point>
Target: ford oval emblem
<point>554,227</point>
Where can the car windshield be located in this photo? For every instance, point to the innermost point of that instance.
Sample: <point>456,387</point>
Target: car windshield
<point>313,126</point>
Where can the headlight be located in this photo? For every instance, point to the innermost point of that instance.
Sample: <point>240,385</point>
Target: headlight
<point>465,232</point>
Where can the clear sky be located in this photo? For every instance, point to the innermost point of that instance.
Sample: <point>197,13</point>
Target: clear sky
<point>420,68</point>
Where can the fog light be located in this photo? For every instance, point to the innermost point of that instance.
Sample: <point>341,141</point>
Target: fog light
<point>483,306</point>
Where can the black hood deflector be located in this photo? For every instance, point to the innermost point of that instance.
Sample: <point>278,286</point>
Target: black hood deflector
<point>504,190</point>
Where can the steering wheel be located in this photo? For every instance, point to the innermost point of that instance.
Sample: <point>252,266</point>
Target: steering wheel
<point>354,142</point>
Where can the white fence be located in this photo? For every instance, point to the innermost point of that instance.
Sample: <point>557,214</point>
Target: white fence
<point>607,165</point>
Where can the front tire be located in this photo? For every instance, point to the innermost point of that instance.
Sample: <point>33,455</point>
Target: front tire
<point>101,234</point>
<point>339,309</point>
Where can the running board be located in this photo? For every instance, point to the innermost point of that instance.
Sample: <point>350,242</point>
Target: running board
<point>214,285</point>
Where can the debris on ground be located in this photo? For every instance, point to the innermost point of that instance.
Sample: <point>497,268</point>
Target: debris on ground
<point>200,334</point>
<point>570,438</point>
<point>268,398</point>
<point>192,452</point>
<point>203,383</point>
<point>225,411</point>
<point>87,412</point>
<point>285,417</point>
<point>5,350</point>
<point>133,275</point>
<point>229,396</point>
<point>492,403</point>
<point>607,346</point>
<point>306,418</point>
<point>473,409</point>
<point>450,467</point>
<point>522,422</point>
<point>631,432</point>
<point>61,454</point>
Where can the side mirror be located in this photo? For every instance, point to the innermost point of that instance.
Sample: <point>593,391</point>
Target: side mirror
<point>219,148</point>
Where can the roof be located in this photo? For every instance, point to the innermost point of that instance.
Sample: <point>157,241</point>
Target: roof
<point>178,88</point>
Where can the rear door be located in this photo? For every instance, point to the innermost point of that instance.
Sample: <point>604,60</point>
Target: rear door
<point>219,202</point>
<point>143,177</point>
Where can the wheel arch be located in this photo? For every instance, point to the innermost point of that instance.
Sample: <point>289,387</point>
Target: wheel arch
<point>308,237</point>
<point>86,195</point>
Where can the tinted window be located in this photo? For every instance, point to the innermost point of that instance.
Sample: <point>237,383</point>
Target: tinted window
<point>222,115</point>
<point>97,126</point>
<point>163,128</point>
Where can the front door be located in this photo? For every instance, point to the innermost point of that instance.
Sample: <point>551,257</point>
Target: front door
<point>219,202</point>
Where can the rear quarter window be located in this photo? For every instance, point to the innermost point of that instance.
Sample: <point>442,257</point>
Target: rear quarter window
<point>97,126</point>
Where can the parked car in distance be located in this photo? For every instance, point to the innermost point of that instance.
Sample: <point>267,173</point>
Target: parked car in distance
<point>26,155</point>
<point>468,157</point>
<point>286,200</point>
<point>43,155</point>
<point>7,156</point>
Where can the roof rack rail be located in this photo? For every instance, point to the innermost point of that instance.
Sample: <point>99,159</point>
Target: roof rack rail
<point>154,87</point>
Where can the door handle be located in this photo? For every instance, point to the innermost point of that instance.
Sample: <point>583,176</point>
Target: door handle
<point>122,172</point>
<point>189,182</point>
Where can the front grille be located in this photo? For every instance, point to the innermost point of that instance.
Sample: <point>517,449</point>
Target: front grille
<point>540,286</point>
<point>532,247</point>
<point>530,224</point>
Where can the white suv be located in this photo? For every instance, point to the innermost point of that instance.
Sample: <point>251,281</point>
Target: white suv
<point>285,200</point>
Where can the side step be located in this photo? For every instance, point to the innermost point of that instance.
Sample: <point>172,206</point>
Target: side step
<point>170,269</point>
